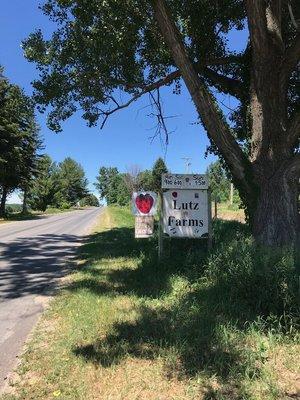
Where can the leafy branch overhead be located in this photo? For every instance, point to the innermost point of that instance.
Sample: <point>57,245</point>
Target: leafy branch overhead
<point>104,56</point>
<point>97,50</point>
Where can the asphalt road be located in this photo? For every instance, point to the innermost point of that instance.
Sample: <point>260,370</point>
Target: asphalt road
<point>33,256</point>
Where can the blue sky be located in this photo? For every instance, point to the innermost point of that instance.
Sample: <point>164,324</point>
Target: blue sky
<point>125,139</point>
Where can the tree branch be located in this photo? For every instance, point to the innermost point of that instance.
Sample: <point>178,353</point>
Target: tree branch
<point>294,130</point>
<point>156,85</point>
<point>224,83</point>
<point>161,124</point>
<point>257,22</point>
<point>201,67</point>
<point>146,89</point>
<point>213,119</point>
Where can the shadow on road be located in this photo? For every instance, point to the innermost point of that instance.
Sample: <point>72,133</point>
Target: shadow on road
<point>30,265</point>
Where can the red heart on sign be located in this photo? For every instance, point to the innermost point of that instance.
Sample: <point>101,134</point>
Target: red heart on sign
<point>144,203</point>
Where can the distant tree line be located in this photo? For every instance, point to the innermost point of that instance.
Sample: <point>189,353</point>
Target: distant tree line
<point>116,187</point>
<point>20,142</point>
<point>61,185</point>
<point>22,166</point>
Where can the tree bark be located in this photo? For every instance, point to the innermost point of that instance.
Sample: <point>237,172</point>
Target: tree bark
<point>276,218</point>
<point>275,215</point>
<point>3,202</point>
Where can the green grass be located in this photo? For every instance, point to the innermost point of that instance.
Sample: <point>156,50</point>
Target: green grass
<point>195,326</point>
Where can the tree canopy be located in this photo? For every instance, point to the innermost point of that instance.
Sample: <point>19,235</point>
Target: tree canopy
<point>138,46</point>
<point>71,183</point>
<point>218,182</point>
<point>43,187</point>
<point>89,200</point>
<point>60,185</point>
<point>159,168</point>
<point>117,188</point>
<point>19,139</point>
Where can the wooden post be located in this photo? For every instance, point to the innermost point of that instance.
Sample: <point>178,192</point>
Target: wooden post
<point>231,194</point>
<point>210,241</point>
<point>160,227</point>
<point>216,208</point>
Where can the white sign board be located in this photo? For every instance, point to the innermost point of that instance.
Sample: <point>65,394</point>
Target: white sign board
<point>186,213</point>
<point>184,181</point>
<point>144,226</point>
<point>144,203</point>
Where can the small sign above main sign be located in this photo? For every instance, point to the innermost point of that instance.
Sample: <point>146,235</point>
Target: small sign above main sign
<point>184,181</point>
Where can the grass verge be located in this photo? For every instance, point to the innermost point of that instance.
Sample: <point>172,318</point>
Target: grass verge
<point>196,326</point>
<point>19,216</point>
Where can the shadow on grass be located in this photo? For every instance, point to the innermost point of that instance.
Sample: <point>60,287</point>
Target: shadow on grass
<point>189,331</point>
<point>22,217</point>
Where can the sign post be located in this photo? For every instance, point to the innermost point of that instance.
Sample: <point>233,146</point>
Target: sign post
<point>160,227</point>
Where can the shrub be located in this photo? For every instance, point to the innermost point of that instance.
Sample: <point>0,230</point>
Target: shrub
<point>250,281</point>
<point>64,205</point>
<point>13,208</point>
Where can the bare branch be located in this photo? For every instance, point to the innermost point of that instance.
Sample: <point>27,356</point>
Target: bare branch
<point>147,89</point>
<point>132,178</point>
<point>114,100</point>
<point>161,125</point>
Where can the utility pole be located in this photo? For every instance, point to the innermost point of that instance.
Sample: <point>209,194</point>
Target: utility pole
<point>187,164</point>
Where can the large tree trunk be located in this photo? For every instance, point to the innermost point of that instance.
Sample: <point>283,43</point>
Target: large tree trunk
<point>276,218</point>
<point>267,181</point>
<point>3,202</point>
